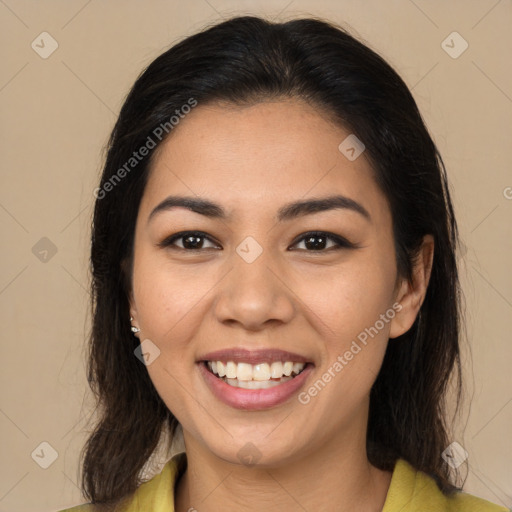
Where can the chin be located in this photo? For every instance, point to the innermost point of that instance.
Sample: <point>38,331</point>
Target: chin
<point>248,449</point>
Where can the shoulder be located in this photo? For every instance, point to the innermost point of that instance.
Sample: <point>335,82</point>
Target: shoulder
<point>414,491</point>
<point>151,495</point>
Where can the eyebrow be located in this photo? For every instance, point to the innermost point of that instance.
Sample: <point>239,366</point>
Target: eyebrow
<point>285,213</point>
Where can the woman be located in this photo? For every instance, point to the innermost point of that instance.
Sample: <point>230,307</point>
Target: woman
<point>274,270</point>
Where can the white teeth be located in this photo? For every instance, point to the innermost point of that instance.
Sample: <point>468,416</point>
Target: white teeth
<point>297,367</point>
<point>261,372</point>
<point>276,370</point>
<point>243,371</point>
<point>254,384</point>
<point>230,370</point>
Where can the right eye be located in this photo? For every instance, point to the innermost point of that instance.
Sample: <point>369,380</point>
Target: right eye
<point>191,241</point>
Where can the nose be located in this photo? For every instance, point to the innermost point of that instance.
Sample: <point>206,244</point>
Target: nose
<point>254,295</point>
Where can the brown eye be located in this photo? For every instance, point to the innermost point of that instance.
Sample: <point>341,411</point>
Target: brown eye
<point>319,241</point>
<point>313,242</point>
<point>190,241</point>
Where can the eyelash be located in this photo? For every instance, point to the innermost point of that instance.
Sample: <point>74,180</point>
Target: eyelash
<point>341,243</point>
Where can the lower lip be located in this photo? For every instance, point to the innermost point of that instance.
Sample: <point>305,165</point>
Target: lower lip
<point>253,399</point>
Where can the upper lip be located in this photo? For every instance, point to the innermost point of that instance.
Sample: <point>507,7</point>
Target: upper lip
<point>241,355</point>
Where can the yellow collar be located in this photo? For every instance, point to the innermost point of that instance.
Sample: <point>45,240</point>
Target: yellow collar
<point>409,491</point>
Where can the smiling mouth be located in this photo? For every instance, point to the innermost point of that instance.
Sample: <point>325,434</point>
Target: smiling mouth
<point>255,376</point>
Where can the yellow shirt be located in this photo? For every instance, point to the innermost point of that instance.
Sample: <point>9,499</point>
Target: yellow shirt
<point>409,491</point>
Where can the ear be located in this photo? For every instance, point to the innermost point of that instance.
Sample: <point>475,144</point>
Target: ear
<point>133,313</point>
<point>125,270</point>
<point>410,295</point>
<point>133,308</point>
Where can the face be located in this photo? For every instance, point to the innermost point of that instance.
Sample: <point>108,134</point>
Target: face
<point>259,288</point>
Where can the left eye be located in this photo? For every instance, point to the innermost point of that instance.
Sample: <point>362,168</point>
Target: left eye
<point>318,241</point>
<point>313,242</point>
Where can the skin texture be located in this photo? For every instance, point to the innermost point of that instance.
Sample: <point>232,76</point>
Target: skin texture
<point>253,160</point>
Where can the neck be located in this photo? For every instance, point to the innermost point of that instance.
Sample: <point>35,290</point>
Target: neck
<point>340,479</point>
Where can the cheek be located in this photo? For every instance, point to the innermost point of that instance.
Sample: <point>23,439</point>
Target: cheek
<point>167,296</point>
<point>169,308</point>
<point>354,312</point>
<point>353,348</point>
<point>352,300</point>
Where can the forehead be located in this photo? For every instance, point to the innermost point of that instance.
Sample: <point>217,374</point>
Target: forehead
<point>266,154</point>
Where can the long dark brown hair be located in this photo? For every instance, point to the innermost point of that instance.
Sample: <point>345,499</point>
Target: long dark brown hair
<point>242,61</point>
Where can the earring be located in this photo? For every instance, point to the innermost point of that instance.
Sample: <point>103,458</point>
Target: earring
<point>134,329</point>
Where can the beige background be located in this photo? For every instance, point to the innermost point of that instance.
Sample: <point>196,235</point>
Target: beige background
<point>57,114</point>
